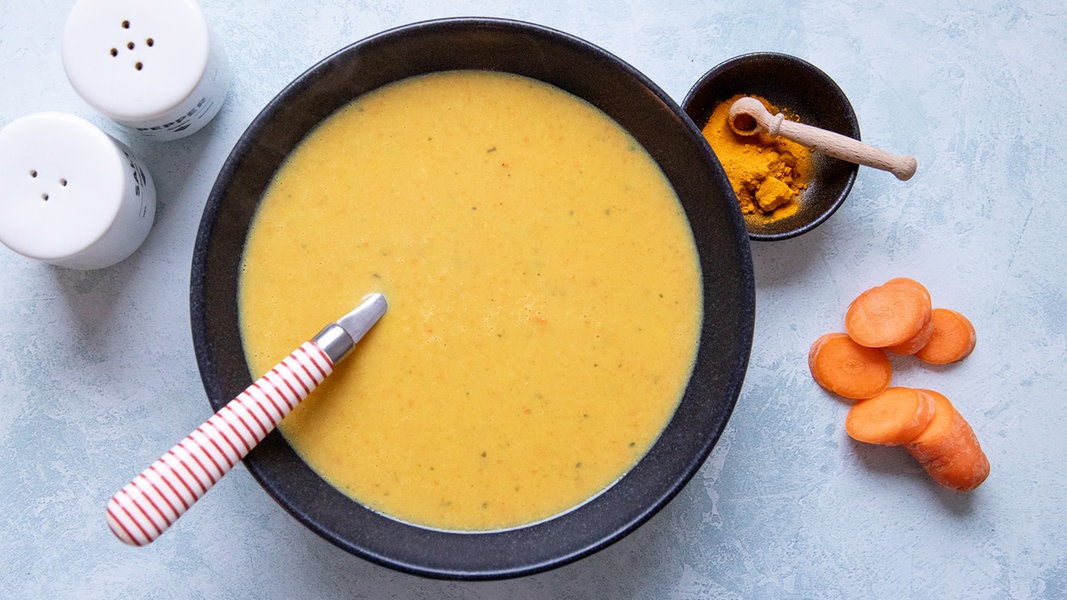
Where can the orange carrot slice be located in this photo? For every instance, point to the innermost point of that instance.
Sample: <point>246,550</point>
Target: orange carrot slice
<point>916,342</point>
<point>952,340</point>
<point>894,417</point>
<point>843,367</point>
<point>948,449</point>
<point>889,314</point>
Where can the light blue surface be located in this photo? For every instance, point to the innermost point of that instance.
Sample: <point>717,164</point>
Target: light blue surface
<point>98,373</point>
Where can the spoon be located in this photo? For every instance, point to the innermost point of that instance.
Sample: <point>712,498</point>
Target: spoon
<point>150,503</point>
<point>748,116</point>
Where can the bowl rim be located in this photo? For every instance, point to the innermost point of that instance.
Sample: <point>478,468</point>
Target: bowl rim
<point>832,89</point>
<point>725,385</point>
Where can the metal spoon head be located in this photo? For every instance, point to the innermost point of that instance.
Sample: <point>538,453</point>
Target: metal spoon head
<point>358,322</point>
<point>338,338</point>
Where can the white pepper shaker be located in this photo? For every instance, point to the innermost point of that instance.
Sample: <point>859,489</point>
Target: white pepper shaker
<point>71,195</point>
<point>151,67</point>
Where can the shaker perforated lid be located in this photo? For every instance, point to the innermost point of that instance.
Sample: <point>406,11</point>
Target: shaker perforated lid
<point>70,194</point>
<point>135,61</point>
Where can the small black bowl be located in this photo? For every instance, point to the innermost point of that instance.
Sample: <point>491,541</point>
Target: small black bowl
<point>789,83</point>
<point>687,162</point>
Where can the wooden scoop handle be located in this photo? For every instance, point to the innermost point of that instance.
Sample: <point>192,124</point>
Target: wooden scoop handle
<point>748,116</point>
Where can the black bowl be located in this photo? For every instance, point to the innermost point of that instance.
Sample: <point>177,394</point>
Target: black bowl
<point>787,82</point>
<point>654,120</point>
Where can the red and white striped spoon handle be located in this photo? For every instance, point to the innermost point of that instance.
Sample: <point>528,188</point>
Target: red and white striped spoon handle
<point>154,500</point>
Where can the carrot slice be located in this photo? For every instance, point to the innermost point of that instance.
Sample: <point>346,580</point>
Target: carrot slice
<point>952,340</point>
<point>948,449</point>
<point>916,342</point>
<point>889,314</point>
<point>843,367</point>
<point>894,417</point>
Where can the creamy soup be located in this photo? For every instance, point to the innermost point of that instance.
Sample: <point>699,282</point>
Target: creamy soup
<point>544,298</point>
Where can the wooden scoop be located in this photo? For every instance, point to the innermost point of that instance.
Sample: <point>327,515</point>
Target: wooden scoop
<point>748,116</point>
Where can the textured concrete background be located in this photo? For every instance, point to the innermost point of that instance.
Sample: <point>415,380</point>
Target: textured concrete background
<point>98,374</point>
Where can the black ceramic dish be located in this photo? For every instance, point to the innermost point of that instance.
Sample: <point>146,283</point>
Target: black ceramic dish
<point>654,120</point>
<point>792,83</point>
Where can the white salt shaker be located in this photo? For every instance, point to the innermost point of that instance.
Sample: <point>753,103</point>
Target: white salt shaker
<point>71,195</point>
<point>151,67</point>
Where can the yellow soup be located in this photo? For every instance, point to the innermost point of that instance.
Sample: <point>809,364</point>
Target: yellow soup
<point>544,298</point>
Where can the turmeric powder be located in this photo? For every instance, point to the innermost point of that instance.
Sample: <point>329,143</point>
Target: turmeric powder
<point>767,173</point>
